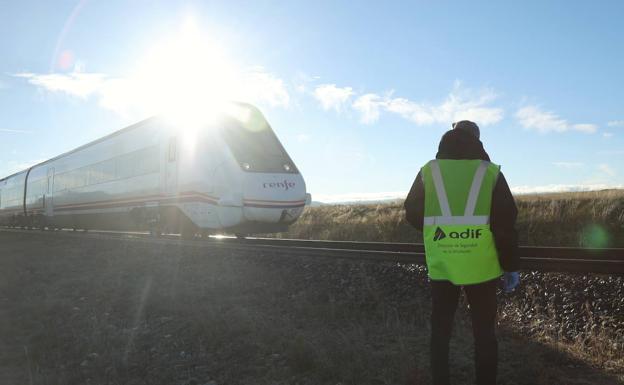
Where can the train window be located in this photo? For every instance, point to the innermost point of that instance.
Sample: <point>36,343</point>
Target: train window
<point>107,170</point>
<point>69,180</point>
<point>140,162</point>
<point>136,163</point>
<point>58,185</point>
<point>35,191</point>
<point>254,144</point>
<point>81,177</point>
<point>13,195</point>
<point>35,188</point>
<point>172,149</point>
<point>147,161</point>
<point>95,174</point>
<point>122,167</point>
<point>72,179</point>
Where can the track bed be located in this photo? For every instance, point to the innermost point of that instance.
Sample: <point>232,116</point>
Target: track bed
<point>113,311</point>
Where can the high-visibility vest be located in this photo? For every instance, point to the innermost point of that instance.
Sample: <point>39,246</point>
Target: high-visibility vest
<point>459,245</point>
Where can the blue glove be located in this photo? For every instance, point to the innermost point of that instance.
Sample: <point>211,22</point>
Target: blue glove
<point>510,281</point>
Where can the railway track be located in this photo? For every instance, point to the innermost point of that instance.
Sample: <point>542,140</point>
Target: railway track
<point>554,259</point>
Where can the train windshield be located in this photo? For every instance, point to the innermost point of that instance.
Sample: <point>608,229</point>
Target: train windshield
<point>253,143</point>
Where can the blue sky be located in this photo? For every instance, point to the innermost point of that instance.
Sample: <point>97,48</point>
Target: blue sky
<point>358,94</point>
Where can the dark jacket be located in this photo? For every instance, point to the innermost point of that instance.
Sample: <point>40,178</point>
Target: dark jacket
<point>456,144</point>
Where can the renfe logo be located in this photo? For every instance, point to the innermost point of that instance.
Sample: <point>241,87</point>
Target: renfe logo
<point>286,185</point>
<point>468,233</point>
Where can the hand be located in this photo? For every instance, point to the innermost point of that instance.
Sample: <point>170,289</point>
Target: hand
<point>510,281</point>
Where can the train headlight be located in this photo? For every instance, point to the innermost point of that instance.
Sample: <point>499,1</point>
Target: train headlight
<point>246,166</point>
<point>287,167</point>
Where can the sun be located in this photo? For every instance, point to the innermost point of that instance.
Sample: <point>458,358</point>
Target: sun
<point>186,77</point>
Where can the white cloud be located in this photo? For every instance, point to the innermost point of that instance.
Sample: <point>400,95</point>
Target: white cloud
<point>77,84</point>
<point>360,197</point>
<point>261,86</point>
<point>12,131</point>
<point>460,104</point>
<point>145,95</point>
<point>607,134</point>
<point>332,97</point>
<point>534,118</point>
<point>302,80</point>
<point>616,123</point>
<point>607,169</point>
<point>569,165</point>
<point>557,188</point>
<point>303,138</point>
<point>585,127</point>
<point>369,105</point>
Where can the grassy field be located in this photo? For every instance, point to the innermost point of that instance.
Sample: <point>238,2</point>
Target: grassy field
<point>592,219</point>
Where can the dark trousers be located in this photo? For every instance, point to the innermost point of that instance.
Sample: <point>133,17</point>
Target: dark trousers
<point>482,300</point>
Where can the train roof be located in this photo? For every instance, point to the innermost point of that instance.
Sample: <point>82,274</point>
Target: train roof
<point>111,135</point>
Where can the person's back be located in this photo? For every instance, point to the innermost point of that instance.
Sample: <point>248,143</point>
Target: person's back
<point>463,205</point>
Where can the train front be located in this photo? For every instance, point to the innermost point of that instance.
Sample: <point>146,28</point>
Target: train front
<point>273,191</point>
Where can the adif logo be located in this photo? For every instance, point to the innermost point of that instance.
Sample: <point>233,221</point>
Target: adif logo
<point>466,234</point>
<point>439,234</point>
<point>286,185</point>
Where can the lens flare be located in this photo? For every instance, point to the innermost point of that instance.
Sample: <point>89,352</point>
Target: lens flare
<point>595,236</point>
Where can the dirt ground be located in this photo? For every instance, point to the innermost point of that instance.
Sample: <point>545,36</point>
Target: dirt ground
<point>98,311</point>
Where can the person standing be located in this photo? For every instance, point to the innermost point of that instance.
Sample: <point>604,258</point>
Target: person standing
<point>462,204</point>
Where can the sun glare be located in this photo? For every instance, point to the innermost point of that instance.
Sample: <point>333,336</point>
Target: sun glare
<point>186,78</point>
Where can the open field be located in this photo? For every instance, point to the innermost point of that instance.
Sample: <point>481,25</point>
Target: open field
<point>94,311</point>
<point>89,311</point>
<point>592,219</point>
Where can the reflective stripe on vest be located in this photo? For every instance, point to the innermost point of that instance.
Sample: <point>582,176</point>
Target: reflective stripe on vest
<point>459,248</point>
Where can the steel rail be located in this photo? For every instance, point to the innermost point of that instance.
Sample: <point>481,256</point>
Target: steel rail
<point>553,259</point>
<point>550,252</point>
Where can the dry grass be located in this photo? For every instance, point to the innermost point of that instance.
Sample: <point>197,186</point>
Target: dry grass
<point>564,219</point>
<point>595,195</point>
<point>572,219</point>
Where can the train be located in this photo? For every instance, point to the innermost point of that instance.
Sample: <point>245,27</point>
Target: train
<point>227,174</point>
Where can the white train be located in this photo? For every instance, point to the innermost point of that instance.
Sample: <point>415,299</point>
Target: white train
<point>231,175</point>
